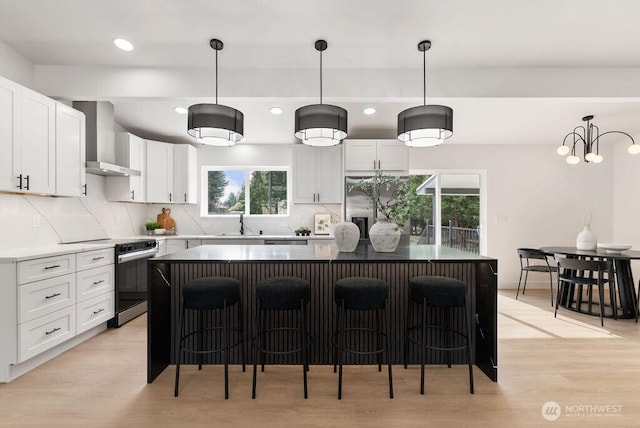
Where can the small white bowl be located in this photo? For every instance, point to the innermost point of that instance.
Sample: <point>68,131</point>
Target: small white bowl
<point>160,231</point>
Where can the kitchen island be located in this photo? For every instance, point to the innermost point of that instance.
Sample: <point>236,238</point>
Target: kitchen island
<point>321,265</point>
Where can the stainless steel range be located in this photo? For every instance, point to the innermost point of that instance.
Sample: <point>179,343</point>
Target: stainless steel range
<point>131,278</point>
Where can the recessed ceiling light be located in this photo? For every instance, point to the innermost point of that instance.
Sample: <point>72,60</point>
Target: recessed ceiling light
<point>181,110</point>
<point>369,111</point>
<point>276,110</point>
<point>123,44</point>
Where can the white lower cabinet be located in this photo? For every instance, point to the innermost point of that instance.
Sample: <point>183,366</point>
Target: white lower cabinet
<point>93,312</point>
<point>45,332</point>
<point>43,297</point>
<point>47,301</point>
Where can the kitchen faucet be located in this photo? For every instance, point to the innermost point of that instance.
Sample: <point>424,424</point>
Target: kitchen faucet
<point>241,224</point>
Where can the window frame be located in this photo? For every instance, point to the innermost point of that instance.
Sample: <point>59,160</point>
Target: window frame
<point>204,189</point>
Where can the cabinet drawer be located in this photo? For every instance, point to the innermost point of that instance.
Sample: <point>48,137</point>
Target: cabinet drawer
<point>95,258</point>
<point>43,297</point>
<point>94,311</point>
<point>93,282</point>
<point>44,333</point>
<point>47,267</point>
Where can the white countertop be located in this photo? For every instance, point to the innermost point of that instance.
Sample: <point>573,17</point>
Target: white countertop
<point>233,236</point>
<point>11,255</point>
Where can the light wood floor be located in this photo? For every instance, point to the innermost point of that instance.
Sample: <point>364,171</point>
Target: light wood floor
<point>570,360</point>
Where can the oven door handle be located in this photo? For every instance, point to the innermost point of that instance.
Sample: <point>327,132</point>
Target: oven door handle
<point>146,254</point>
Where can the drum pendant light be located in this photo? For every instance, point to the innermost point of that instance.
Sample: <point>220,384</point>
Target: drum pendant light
<point>425,125</point>
<point>215,124</point>
<point>321,124</point>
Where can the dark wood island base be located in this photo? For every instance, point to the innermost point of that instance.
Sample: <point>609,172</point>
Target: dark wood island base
<point>321,265</point>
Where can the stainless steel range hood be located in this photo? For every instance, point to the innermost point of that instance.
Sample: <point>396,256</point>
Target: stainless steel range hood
<point>101,139</point>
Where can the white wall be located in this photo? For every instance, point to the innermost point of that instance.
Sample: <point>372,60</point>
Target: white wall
<point>534,198</point>
<point>626,200</point>
<point>14,66</point>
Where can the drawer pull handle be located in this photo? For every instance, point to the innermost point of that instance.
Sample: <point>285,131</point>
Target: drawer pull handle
<point>98,282</point>
<point>98,258</point>
<point>51,267</point>
<point>52,331</point>
<point>98,311</point>
<point>52,296</point>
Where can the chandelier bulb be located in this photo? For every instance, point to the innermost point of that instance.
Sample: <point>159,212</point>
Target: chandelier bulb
<point>572,160</point>
<point>563,150</point>
<point>634,149</point>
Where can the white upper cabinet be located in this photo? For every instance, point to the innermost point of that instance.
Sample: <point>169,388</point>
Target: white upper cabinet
<point>38,143</point>
<point>374,155</point>
<point>317,174</point>
<point>185,174</point>
<point>10,160</point>
<point>159,171</point>
<point>27,140</point>
<point>70,151</point>
<point>131,151</point>
<point>42,143</point>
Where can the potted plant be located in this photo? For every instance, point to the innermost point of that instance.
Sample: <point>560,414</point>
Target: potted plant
<point>390,195</point>
<point>151,227</point>
<point>303,231</point>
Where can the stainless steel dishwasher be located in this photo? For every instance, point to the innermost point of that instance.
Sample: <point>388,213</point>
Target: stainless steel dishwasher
<point>285,242</point>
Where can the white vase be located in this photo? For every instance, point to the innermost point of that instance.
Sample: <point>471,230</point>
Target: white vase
<point>384,235</point>
<point>347,235</point>
<point>586,240</point>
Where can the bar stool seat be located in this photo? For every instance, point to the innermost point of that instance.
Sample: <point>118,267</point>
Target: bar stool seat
<point>203,295</point>
<point>282,293</point>
<point>445,294</point>
<point>361,294</point>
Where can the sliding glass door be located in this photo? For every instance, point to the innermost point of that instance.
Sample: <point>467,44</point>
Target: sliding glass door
<point>448,208</point>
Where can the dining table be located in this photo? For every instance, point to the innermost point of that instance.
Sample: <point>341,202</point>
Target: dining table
<point>621,261</point>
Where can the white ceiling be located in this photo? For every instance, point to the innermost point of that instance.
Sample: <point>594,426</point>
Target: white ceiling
<point>515,72</point>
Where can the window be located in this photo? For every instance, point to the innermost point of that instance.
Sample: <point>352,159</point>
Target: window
<point>244,190</point>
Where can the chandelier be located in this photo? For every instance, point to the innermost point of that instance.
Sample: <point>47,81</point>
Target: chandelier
<point>589,135</point>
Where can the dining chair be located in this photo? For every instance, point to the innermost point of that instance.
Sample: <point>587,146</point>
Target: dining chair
<point>590,273</point>
<point>533,260</point>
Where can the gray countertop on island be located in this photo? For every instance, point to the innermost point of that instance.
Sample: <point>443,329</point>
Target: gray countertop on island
<point>318,253</point>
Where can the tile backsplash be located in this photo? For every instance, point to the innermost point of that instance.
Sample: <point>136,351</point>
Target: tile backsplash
<point>30,221</point>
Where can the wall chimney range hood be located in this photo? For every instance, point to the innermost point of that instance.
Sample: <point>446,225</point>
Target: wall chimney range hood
<point>101,139</point>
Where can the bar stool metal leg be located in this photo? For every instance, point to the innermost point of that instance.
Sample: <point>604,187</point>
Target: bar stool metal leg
<point>225,340</point>
<point>387,337</point>
<point>303,340</point>
<point>258,353</point>
<point>341,341</point>
<point>467,320</point>
<point>179,360</point>
<point>242,338</point>
<point>423,360</point>
<point>378,344</point>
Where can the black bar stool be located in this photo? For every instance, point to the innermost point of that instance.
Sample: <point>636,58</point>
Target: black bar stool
<point>201,296</point>
<point>444,294</point>
<point>281,294</point>
<point>361,294</point>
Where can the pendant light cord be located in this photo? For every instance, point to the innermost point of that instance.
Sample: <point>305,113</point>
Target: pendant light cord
<point>424,77</point>
<point>320,77</point>
<point>216,76</point>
